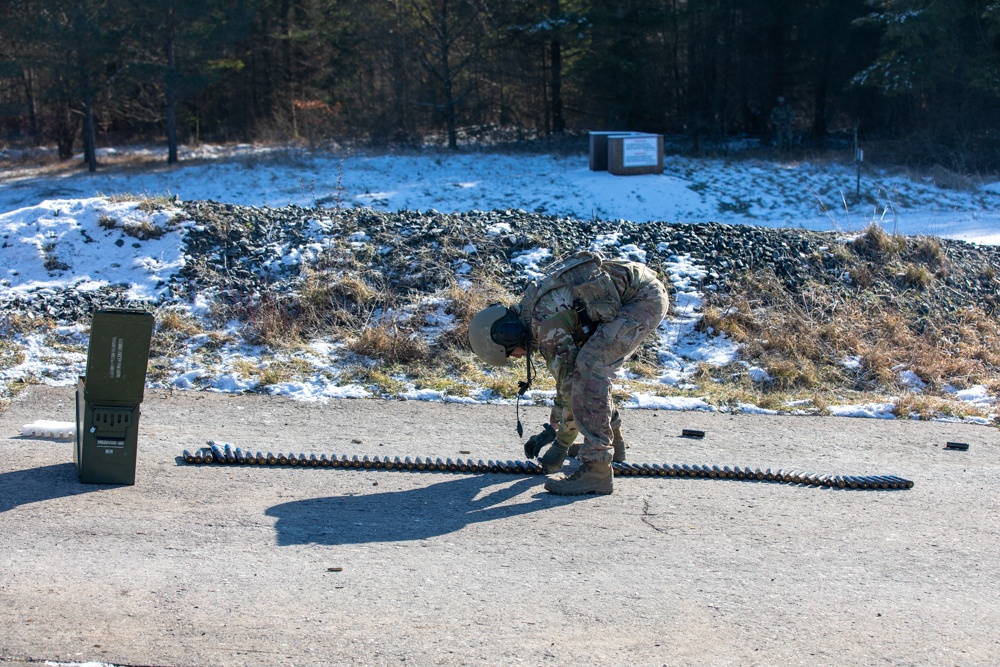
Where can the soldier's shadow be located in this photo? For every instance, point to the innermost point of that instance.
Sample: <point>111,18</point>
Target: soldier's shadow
<point>394,516</point>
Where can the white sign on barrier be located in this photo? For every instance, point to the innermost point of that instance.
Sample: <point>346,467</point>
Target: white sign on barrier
<point>640,152</point>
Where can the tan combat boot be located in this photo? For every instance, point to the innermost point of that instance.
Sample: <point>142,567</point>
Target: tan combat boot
<point>588,478</point>
<point>553,457</point>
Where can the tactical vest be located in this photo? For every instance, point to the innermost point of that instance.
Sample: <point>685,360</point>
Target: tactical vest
<point>577,283</point>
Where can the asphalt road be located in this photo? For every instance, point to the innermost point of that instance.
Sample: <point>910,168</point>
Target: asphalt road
<point>227,565</point>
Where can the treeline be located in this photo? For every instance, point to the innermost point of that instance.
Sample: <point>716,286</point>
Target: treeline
<point>921,73</point>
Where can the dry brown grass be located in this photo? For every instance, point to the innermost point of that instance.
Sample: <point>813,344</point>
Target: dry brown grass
<point>388,343</point>
<point>801,339</point>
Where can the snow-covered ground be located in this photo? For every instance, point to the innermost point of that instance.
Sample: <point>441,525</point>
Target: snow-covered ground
<point>43,208</point>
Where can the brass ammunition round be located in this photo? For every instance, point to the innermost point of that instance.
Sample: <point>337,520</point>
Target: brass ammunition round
<point>398,463</point>
<point>420,463</point>
<point>409,464</point>
<point>334,461</point>
<point>769,475</point>
<point>366,462</point>
<point>313,461</point>
<point>293,459</point>
<point>356,461</point>
<point>617,470</point>
<point>482,466</point>
<point>271,459</point>
<point>240,455</point>
<point>282,458</point>
<point>493,466</point>
<point>888,482</point>
<point>440,464</point>
<point>719,472</point>
<point>219,455</point>
<point>324,461</point>
<point>463,465</point>
<point>902,481</point>
<point>251,458</point>
<point>450,465</point>
<point>377,462</point>
<point>388,463</point>
<point>187,456</point>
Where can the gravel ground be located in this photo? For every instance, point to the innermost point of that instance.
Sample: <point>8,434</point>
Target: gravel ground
<point>198,565</point>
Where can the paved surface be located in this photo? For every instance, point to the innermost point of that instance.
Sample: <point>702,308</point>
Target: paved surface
<point>212,565</point>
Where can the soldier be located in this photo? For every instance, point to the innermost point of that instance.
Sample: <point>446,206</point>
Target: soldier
<point>586,317</point>
<point>781,118</point>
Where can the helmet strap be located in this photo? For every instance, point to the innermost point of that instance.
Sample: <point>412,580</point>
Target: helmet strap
<point>525,385</point>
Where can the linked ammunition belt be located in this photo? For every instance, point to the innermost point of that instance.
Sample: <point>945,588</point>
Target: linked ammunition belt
<point>222,453</point>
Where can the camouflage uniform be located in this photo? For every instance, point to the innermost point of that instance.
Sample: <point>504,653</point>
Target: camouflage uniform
<point>583,366</point>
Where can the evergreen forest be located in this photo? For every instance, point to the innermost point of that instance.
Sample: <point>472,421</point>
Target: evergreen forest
<point>920,77</point>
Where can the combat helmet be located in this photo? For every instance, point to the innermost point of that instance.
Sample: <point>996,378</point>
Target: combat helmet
<point>495,332</point>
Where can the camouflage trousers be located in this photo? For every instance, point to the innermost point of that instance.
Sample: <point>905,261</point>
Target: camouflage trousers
<point>600,359</point>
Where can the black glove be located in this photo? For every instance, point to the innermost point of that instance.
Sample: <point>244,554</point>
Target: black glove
<point>534,444</point>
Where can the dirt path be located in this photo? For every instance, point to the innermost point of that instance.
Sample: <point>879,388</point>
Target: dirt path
<point>263,566</point>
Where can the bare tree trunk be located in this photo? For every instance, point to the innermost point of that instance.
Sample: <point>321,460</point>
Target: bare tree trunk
<point>171,88</point>
<point>27,79</point>
<point>555,71</point>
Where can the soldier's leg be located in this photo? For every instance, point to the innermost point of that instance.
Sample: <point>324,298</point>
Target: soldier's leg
<point>599,361</point>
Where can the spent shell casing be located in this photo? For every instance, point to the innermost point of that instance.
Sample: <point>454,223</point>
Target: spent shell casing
<point>388,463</point>
<point>400,463</point>
<point>732,474</point>
<point>293,459</point>
<point>663,470</point>
<point>825,480</point>
<point>812,478</point>
<point>409,464</point>
<point>769,475</point>
<point>421,463</point>
<point>858,482</point>
<point>240,455</point>
<point>356,462</point>
<point>688,470</point>
<point>259,458</point>
<point>324,461</point>
<point>313,461</point>
<point>482,466</point>
<point>220,456</point>
<point>439,464</point>
<point>282,458</point>
<point>792,476</point>
<point>366,461</point>
<point>616,469</point>
<point>649,470</point>
<point>208,456</point>
<point>780,474</point>
<point>719,472</point>
<point>678,470</point>
<point>377,462</point>
<point>657,470</point>
<point>200,454</point>
<point>450,465</point>
<point>758,474</point>
<point>187,456</point>
<point>839,481</point>
<point>271,459</point>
